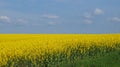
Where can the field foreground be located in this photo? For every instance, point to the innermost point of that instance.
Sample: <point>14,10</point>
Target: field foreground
<point>58,50</point>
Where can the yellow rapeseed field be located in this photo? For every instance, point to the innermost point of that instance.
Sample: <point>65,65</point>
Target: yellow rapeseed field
<point>45,50</point>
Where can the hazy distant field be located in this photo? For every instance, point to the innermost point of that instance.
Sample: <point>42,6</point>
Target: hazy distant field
<point>57,50</point>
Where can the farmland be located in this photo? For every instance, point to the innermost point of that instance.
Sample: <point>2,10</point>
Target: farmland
<point>56,50</point>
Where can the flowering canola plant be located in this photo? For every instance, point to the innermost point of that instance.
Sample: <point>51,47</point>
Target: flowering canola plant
<point>45,50</point>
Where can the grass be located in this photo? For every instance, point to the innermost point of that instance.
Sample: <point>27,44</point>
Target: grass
<point>111,59</point>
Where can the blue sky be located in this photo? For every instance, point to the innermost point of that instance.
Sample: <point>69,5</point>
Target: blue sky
<point>59,16</point>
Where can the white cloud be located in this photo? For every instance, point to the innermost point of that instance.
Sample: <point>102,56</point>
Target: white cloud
<point>88,15</point>
<point>60,0</point>
<point>115,19</point>
<point>51,16</point>
<point>87,21</point>
<point>98,11</point>
<point>21,21</point>
<point>52,23</point>
<point>8,20</point>
<point>5,19</point>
